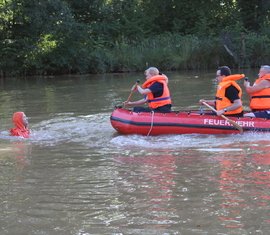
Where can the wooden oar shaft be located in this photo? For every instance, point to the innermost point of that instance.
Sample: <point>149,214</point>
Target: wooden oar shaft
<point>237,126</point>
<point>131,93</point>
<point>129,97</point>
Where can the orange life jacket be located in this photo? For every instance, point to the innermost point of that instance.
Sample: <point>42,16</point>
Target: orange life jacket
<point>155,102</point>
<point>260,100</point>
<point>221,100</point>
<point>19,129</point>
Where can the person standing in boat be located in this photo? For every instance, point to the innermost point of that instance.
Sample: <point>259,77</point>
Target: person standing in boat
<point>156,93</point>
<point>228,96</point>
<point>259,94</point>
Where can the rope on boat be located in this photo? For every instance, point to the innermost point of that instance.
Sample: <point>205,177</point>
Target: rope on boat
<point>152,122</point>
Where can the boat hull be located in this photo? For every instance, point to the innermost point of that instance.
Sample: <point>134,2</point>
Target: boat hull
<point>148,123</point>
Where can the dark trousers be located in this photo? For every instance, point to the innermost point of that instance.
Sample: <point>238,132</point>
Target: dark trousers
<point>162,109</point>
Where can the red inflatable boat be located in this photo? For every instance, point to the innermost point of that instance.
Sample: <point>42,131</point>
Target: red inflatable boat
<point>187,122</point>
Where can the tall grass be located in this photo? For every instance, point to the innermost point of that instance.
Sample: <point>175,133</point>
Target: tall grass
<point>177,52</point>
<point>167,52</point>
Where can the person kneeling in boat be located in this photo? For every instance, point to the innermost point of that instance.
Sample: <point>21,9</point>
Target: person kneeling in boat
<point>156,92</point>
<point>21,125</point>
<point>259,94</point>
<point>228,96</point>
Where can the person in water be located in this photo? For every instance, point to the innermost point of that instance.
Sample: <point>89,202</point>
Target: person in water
<point>228,96</point>
<point>156,93</point>
<point>20,122</point>
<point>259,94</point>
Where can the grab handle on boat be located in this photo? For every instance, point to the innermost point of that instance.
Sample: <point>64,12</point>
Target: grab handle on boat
<point>238,127</point>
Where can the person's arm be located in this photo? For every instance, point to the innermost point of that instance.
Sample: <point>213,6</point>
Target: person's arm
<point>143,91</point>
<point>210,102</point>
<point>156,89</point>
<point>135,103</point>
<point>256,87</point>
<point>235,105</point>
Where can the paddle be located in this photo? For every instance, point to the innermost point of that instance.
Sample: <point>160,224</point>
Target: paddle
<point>238,127</point>
<point>130,95</point>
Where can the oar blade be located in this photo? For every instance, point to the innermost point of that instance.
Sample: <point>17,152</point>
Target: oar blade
<point>238,127</point>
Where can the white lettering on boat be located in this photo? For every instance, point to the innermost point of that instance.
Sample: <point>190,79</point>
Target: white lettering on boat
<point>218,122</point>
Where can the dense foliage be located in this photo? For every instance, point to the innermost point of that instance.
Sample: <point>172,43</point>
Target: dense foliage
<point>95,36</point>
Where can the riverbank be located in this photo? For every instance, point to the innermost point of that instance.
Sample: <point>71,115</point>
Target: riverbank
<point>169,52</point>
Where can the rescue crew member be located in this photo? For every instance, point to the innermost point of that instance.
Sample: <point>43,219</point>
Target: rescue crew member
<point>21,125</point>
<point>156,92</point>
<point>228,96</point>
<point>259,94</point>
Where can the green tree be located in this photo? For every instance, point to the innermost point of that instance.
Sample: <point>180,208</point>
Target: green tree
<point>255,13</point>
<point>189,17</point>
<point>40,35</point>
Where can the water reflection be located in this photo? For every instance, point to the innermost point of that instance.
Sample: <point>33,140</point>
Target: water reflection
<point>16,154</point>
<point>14,161</point>
<point>150,185</point>
<point>244,186</point>
<point>231,187</point>
<point>76,175</point>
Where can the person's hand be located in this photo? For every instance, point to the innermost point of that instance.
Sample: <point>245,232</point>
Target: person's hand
<point>246,83</point>
<point>126,103</point>
<point>134,88</point>
<point>220,112</point>
<point>201,101</point>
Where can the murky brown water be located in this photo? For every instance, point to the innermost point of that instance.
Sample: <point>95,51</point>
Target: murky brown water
<point>77,176</point>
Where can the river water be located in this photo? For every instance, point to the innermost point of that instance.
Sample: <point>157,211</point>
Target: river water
<point>77,176</point>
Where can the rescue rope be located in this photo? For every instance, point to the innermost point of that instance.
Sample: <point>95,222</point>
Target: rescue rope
<point>152,122</point>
